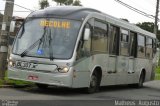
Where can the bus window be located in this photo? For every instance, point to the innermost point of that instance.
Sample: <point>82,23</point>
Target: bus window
<point>84,47</point>
<point>124,42</point>
<point>141,46</point>
<point>114,40</point>
<point>99,37</point>
<point>133,43</point>
<point>149,47</point>
<point>154,47</point>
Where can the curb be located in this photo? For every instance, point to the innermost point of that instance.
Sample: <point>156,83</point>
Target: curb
<point>15,86</point>
<point>6,86</point>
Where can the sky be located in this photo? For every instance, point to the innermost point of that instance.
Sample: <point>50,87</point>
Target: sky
<point>110,7</point>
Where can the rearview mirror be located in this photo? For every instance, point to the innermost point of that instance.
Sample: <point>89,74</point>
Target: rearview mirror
<point>87,32</point>
<point>12,26</point>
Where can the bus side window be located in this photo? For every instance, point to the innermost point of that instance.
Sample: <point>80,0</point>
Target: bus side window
<point>133,44</point>
<point>99,37</point>
<point>124,42</point>
<point>154,47</point>
<point>149,49</point>
<point>141,46</point>
<point>114,40</point>
<point>84,47</point>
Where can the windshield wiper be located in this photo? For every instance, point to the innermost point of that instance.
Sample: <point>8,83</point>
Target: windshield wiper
<point>22,32</point>
<point>34,44</point>
<point>50,46</point>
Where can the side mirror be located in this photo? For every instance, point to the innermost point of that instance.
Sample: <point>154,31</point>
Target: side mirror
<point>157,49</point>
<point>158,44</point>
<point>87,33</point>
<point>12,26</point>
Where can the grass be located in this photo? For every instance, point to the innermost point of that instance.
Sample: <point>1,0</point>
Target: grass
<point>13,82</point>
<point>158,70</point>
<point>1,82</point>
<point>157,77</point>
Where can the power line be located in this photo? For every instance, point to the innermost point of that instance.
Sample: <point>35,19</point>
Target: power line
<point>18,11</point>
<point>136,10</point>
<point>20,6</point>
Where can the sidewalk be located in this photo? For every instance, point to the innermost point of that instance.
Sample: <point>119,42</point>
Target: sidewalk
<point>154,84</point>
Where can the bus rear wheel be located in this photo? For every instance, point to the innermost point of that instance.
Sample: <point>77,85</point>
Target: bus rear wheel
<point>140,83</point>
<point>41,86</point>
<point>94,83</point>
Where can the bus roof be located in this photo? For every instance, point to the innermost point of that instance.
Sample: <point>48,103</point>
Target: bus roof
<point>72,12</point>
<point>79,13</point>
<point>127,25</point>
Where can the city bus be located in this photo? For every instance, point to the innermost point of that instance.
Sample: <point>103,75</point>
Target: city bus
<point>78,47</point>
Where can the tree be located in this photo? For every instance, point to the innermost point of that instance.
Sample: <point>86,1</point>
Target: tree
<point>43,4</point>
<point>68,2</point>
<point>148,26</point>
<point>77,3</point>
<point>124,19</point>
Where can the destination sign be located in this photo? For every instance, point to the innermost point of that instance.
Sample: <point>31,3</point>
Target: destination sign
<point>55,24</point>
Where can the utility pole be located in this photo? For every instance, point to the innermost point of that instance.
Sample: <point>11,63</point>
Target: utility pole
<point>156,18</point>
<point>4,36</point>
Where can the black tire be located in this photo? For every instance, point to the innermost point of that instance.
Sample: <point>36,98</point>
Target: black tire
<point>42,86</point>
<point>94,83</point>
<point>141,80</point>
<point>140,83</point>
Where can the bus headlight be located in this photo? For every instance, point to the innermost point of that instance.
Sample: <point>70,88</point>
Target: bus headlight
<point>11,63</point>
<point>10,58</point>
<point>63,69</point>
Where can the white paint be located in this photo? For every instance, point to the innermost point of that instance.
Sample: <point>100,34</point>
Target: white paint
<point>12,26</point>
<point>3,49</point>
<point>4,26</point>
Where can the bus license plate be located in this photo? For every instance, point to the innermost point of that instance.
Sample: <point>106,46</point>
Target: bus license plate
<point>20,64</point>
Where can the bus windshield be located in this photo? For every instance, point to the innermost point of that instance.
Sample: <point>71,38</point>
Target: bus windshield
<point>47,38</point>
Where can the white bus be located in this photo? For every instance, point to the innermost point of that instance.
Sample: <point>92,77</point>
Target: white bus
<point>79,47</point>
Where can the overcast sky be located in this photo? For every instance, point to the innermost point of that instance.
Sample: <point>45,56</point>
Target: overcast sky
<point>110,7</point>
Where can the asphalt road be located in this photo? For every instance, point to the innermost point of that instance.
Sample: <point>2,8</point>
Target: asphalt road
<point>108,96</point>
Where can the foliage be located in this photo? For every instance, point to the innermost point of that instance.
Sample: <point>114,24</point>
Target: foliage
<point>158,70</point>
<point>124,19</point>
<point>68,2</point>
<point>43,4</point>
<point>1,82</point>
<point>148,26</point>
<point>77,3</point>
<point>157,77</point>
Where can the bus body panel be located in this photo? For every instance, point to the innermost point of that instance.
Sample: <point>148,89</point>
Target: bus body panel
<point>63,80</point>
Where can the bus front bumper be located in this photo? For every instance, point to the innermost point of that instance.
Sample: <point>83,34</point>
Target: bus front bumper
<point>57,79</point>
